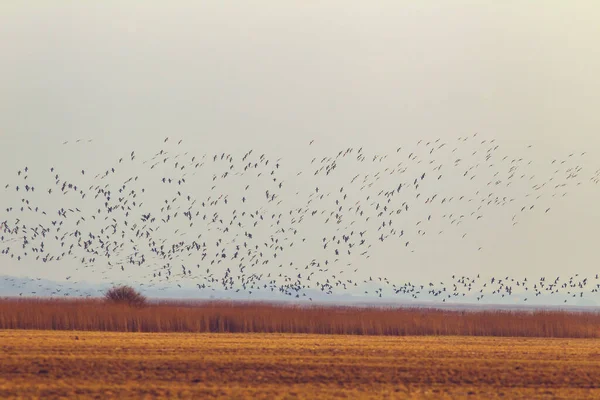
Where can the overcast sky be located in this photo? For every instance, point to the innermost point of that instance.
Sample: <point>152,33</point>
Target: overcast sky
<point>273,75</point>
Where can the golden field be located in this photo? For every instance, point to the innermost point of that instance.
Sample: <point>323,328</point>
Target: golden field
<point>256,317</point>
<point>74,364</point>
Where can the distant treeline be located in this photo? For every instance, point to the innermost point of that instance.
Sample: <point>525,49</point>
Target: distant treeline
<point>256,317</point>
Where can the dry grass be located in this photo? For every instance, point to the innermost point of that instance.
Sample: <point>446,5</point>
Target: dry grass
<point>95,315</point>
<point>45,364</point>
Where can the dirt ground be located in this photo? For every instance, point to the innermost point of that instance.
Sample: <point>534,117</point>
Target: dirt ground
<point>50,364</point>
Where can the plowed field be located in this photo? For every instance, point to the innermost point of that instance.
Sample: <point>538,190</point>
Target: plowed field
<point>55,364</point>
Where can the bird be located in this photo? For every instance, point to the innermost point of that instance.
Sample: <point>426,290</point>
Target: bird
<point>358,205</point>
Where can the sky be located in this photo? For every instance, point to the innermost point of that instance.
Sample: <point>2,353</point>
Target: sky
<point>230,76</point>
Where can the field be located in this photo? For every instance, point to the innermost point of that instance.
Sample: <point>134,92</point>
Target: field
<point>93,349</point>
<point>253,317</point>
<point>53,364</point>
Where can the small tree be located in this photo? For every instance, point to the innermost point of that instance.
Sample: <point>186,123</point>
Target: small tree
<point>125,295</point>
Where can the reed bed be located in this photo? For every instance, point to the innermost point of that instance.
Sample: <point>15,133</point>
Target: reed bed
<point>257,317</point>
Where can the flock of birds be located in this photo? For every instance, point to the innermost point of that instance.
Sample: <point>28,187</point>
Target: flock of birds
<point>246,223</point>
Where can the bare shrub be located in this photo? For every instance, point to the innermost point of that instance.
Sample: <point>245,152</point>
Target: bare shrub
<point>125,295</point>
